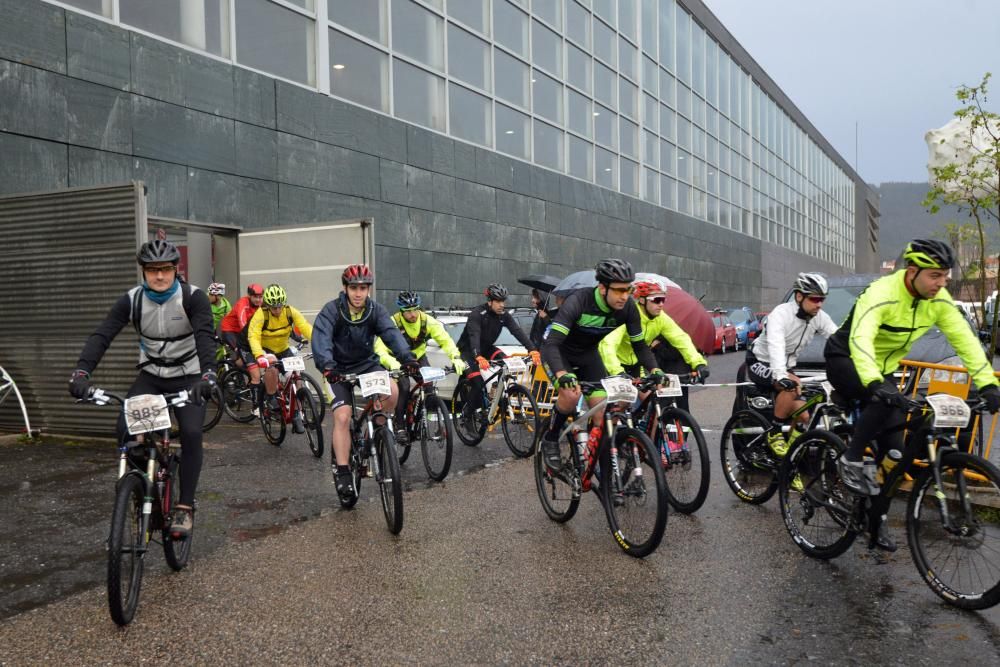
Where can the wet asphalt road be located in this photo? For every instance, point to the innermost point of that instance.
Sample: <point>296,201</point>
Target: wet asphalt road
<point>479,573</point>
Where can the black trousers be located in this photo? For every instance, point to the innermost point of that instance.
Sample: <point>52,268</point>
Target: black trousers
<point>878,421</point>
<point>404,394</point>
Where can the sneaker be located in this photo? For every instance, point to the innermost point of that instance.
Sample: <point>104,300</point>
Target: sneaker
<point>402,437</point>
<point>550,451</point>
<point>858,477</point>
<point>255,411</point>
<point>298,426</point>
<point>777,444</point>
<point>882,540</point>
<point>272,403</point>
<point>797,484</point>
<point>344,482</point>
<point>182,524</point>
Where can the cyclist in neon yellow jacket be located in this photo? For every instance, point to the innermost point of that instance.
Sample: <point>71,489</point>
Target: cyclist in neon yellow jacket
<point>417,328</point>
<point>892,313</point>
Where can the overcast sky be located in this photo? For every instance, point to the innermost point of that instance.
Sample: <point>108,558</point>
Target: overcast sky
<point>890,65</point>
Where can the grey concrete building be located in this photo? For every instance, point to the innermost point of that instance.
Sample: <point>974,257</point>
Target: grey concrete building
<point>487,139</point>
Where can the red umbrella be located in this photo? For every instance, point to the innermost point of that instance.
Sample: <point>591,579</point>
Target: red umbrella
<point>687,311</point>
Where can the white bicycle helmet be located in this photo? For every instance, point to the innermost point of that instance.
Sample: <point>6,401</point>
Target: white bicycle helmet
<point>811,283</point>
<point>217,289</point>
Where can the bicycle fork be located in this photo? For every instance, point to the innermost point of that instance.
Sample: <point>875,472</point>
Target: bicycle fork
<point>935,456</point>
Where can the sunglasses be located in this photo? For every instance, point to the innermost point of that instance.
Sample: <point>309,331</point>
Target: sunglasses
<point>816,299</point>
<point>622,290</point>
<point>657,299</point>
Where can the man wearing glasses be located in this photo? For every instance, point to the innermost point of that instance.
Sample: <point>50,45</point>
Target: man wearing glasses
<point>788,329</point>
<point>571,351</point>
<point>176,352</point>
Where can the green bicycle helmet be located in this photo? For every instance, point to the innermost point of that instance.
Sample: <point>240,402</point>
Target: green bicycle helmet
<point>275,295</point>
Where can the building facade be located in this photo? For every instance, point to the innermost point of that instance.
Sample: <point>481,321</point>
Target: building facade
<point>487,138</point>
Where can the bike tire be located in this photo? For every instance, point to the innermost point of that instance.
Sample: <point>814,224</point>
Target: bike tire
<point>390,480</point>
<point>556,488</point>
<point>688,472</point>
<point>436,441</point>
<point>311,421</point>
<point>273,425</point>
<point>176,552</point>
<point>355,462</point>
<point>636,524</point>
<point>412,432</point>
<point>977,535</point>
<point>820,516</point>
<point>318,392</point>
<point>741,436</point>
<point>126,549</point>
<point>470,425</point>
<point>237,395</point>
<point>519,420</point>
<point>213,410</point>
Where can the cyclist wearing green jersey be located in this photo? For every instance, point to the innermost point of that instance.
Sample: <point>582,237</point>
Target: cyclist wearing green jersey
<point>417,328</point>
<point>220,308</point>
<point>862,355</point>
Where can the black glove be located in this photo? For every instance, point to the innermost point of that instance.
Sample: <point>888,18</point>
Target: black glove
<point>785,384</point>
<point>331,375</point>
<point>205,387</point>
<point>991,395</point>
<point>656,376</point>
<point>702,372</point>
<point>411,367</point>
<point>566,381</point>
<point>79,384</point>
<point>888,393</point>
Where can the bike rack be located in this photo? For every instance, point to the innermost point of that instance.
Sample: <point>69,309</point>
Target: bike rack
<point>7,385</point>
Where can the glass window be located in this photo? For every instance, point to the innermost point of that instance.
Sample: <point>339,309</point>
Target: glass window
<point>698,110</point>
<point>470,115</point>
<point>651,150</point>
<point>418,95</point>
<point>580,113</point>
<point>276,40</point>
<point>684,198</point>
<point>548,10</point>
<point>468,57</point>
<point>473,13</point>
<point>581,158</point>
<point>683,100</point>
<point>203,25</point>
<point>578,24</point>
<point>650,113</point>
<point>650,78</point>
<point>667,157</point>
<point>724,65</point>
<point>606,10</point>
<point>359,73</point>
<point>683,133</point>
<point>513,132</point>
<point>510,27</point>
<point>712,71</point>
<point>628,57</point>
<point>101,7</point>
<point>629,138</point>
<point>605,168</point>
<point>629,177</point>
<point>667,39</point>
<point>417,33</point>
<point>628,98</point>
<point>437,4</point>
<point>605,44</point>
<point>366,18</point>
<point>649,21</point>
<point>605,85</point>
<point>667,94</point>
<point>547,97</point>
<point>667,117</point>
<point>683,45</point>
<point>546,48</point>
<point>578,66</point>
<point>697,58</point>
<point>511,78</point>
<point>683,165</point>
<point>548,146</point>
<point>652,192</point>
<point>606,126</point>
<point>626,18</point>
<point>668,195</point>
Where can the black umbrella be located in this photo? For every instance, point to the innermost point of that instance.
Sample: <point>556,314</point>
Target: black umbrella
<point>539,281</point>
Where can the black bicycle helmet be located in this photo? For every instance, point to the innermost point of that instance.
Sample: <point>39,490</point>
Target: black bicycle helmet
<point>158,251</point>
<point>407,300</point>
<point>610,271</point>
<point>929,254</point>
<point>496,292</point>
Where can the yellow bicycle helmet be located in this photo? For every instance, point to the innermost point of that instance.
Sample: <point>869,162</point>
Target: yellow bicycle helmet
<point>275,295</point>
<point>929,254</point>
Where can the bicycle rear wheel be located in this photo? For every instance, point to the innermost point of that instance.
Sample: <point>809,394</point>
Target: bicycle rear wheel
<point>390,481</point>
<point>636,504</point>
<point>126,550</point>
<point>816,507</point>
<point>519,420</point>
<point>435,438</point>
<point>213,410</point>
<point>176,552</point>
<point>558,490</point>
<point>961,561</point>
<point>470,423</point>
<point>311,420</point>
<point>743,453</point>
<point>688,472</point>
<point>237,395</point>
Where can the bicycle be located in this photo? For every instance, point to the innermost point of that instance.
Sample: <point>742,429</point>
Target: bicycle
<point>510,403</point>
<point>295,404</point>
<point>951,515</point>
<point>748,466</point>
<point>681,443</point>
<point>624,470</point>
<point>146,496</point>
<point>373,446</point>
<point>239,397</point>
<point>428,421</point>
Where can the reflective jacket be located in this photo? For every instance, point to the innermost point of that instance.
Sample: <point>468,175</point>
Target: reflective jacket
<point>417,334</point>
<point>272,331</point>
<point>617,352</point>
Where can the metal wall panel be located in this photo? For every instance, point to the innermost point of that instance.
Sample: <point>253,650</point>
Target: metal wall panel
<point>65,257</point>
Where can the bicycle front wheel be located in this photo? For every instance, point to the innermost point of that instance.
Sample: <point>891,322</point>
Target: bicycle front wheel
<point>435,438</point>
<point>636,500</point>
<point>176,552</point>
<point>237,395</point>
<point>748,471</point>
<point>318,392</point>
<point>390,481</point>
<point>559,490</point>
<point>272,422</point>
<point>470,422</point>
<point>958,555</point>
<point>519,420</point>
<point>816,507</point>
<point>126,550</point>
<point>312,421</point>
<point>687,470</point>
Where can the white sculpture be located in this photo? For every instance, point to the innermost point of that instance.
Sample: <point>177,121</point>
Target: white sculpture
<point>956,144</point>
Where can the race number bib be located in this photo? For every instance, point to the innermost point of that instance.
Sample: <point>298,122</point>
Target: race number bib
<point>620,390</point>
<point>949,411</point>
<point>515,364</point>
<point>293,364</point>
<point>376,382</point>
<point>431,374</point>
<point>145,413</point>
<point>671,388</point>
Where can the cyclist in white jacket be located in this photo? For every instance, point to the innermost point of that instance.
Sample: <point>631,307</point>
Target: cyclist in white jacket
<point>788,329</point>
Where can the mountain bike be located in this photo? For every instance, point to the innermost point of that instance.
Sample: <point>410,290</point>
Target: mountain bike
<point>238,395</point>
<point>296,406</point>
<point>146,495</point>
<point>952,515</point>
<point>428,421</point>
<point>681,443</point>
<point>623,468</point>
<point>505,401</point>
<point>373,446</point>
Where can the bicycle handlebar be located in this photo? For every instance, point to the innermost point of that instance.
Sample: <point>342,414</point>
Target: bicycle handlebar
<point>175,399</point>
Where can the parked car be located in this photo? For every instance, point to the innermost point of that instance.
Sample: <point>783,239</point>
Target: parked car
<point>747,325</point>
<point>725,332</point>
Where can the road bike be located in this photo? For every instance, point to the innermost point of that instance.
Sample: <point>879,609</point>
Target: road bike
<point>427,421</point>
<point>296,405</point>
<point>618,462</point>
<point>498,398</point>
